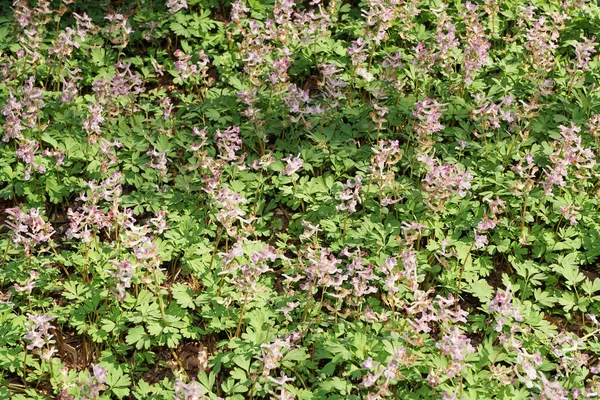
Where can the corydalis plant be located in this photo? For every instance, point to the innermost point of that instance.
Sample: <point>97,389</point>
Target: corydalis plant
<point>443,181</point>
<point>569,157</point>
<point>427,115</point>
<point>38,333</point>
<point>28,229</point>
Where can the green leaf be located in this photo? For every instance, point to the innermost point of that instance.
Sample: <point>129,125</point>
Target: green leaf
<point>569,269</point>
<point>74,290</point>
<point>183,295</point>
<point>544,298</point>
<point>118,382</point>
<point>137,336</point>
<point>180,30</point>
<point>482,290</point>
<point>591,287</point>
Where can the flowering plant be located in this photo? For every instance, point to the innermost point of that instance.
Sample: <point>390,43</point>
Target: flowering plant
<point>299,200</point>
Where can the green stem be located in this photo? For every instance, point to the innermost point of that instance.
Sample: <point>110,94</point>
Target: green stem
<point>239,325</point>
<point>462,267</point>
<point>5,253</point>
<point>25,368</point>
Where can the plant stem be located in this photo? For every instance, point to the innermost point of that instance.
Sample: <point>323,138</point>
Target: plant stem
<point>462,267</point>
<point>239,325</point>
<point>5,253</point>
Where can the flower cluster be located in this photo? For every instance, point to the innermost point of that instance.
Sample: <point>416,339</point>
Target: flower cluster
<point>541,42</point>
<point>23,113</point>
<point>526,169</point>
<point>476,51</point>
<point>298,101</point>
<point>159,161</point>
<point>229,210</point>
<point>385,155</point>
<point>91,124</point>
<point>186,69</point>
<point>443,181</point>
<point>228,142</point>
<point>26,152</point>
<point>30,284</point>
<point>456,345</point>
<point>583,53</point>
<point>390,371</point>
<point>28,229</point>
<point>489,115</point>
<point>272,353</point>
<point>293,165</point>
<point>125,83</point>
<point>246,276</point>
<point>96,382</point>
<point>332,85</point>
<point>569,213</point>
<point>118,30</point>
<point>176,5</point>
<point>123,274</point>
<point>360,273</point>
<point>503,309</point>
<point>426,307</point>
<point>350,197</point>
<point>322,270</point>
<point>445,38</point>
<point>569,153</point>
<point>427,115</point>
<point>109,151</point>
<point>38,333</point>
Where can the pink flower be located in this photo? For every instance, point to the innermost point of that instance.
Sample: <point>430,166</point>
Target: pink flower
<point>38,328</point>
<point>456,345</point>
<point>29,228</point>
<point>293,165</point>
<point>176,5</point>
<point>28,287</point>
<point>481,240</point>
<point>188,391</point>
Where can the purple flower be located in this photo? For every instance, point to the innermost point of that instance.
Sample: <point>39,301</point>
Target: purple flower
<point>444,180</point>
<point>350,197</point>
<point>29,228</point>
<point>502,306</point>
<point>456,345</point>
<point>176,5</point>
<point>228,142</point>
<point>310,230</point>
<point>293,165</point>
<point>91,124</point>
<point>188,391</point>
<point>159,161</point>
<point>28,287</point>
<point>95,383</point>
<point>569,213</point>
<point>38,328</point>
<point>428,113</point>
<point>289,307</point>
<point>125,83</point>
<point>583,53</point>
<point>357,51</point>
<point>238,10</point>
<point>385,155</point>
<point>123,274</point>
<point>12,110</point>
<point>486,224</point>
<point>186,69</point>
<point>272,353</point>
<point>481,240</point>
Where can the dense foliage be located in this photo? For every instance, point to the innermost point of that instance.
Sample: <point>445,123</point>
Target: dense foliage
<point>323,200</point>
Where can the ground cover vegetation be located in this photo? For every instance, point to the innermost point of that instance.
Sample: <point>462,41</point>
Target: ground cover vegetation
<point>299,200</point>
